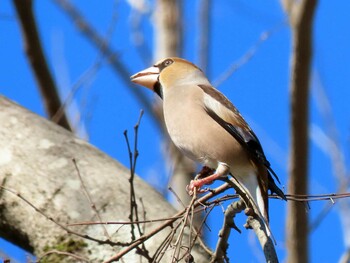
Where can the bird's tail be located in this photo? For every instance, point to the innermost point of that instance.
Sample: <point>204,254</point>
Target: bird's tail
<point>257,195</point>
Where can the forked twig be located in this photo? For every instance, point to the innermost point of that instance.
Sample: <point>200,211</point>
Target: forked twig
<point>178,242</point>
<point>134,213</point>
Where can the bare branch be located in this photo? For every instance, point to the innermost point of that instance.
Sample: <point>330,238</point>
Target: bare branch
<point>297,198</point>
<point>39,65</point>
<point>248,55</point>
<point>228,223</point>
<point>328,142</point>
<point>137,35</point>
<point>169,222</point>
<point>134,211</point>
<point>102,45</point>
<point>266,243</point>
<point>89,73</point>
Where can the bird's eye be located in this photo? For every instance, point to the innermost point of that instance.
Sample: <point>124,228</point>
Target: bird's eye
<point>167,62</point>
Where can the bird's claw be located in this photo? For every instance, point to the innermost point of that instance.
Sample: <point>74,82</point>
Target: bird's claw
<point>195,186</point>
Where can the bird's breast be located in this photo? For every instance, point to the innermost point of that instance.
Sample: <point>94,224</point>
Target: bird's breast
<point>196,134</point>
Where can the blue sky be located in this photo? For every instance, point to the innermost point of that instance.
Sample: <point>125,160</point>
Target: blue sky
<point>259,88</point>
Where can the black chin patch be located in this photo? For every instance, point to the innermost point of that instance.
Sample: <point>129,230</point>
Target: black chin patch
<point>158,89</point>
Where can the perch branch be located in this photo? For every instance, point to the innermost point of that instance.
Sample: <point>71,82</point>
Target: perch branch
<point>228,223</point>
<point>169,222</point>
<point>266,242</point>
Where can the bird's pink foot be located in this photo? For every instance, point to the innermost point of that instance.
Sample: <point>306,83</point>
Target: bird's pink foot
<point>198,183</point>
<point>206,171</point>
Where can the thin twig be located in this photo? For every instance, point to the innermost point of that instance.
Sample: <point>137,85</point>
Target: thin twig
<point>161,250</point>
<point>90,72</point>
<point>168,223</point>
<point>197,233</point>
<point>248,55</point>
<point>328,141</point>
<point>88,197</point>
<point>178,199</point>
<point>63,227</point>
<point>297,198</point>
<point>109,54</point>
<point>137,35</point>
<point>124,222</point>
<point>178,242</point>
<point>134,214</point>
<point>67,254</point>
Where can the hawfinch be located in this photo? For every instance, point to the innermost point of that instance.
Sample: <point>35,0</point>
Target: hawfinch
<point>207,128</point>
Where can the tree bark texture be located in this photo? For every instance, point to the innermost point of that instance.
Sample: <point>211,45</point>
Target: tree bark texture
<point>36,162</point>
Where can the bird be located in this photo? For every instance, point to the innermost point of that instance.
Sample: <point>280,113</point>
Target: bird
<point>206,127</point>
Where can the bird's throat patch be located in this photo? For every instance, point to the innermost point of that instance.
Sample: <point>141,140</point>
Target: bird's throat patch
<point>158,89</point>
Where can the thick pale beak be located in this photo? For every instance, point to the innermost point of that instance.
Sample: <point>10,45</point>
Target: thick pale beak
<point>147,77</point>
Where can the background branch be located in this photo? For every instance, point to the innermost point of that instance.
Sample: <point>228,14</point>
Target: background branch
<point>301,19</point>
<point>204,35</point>
<point>37,60</point>
<point>106,50</point>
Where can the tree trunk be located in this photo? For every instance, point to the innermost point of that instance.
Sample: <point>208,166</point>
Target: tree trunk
<point>36,162</point>
<point>168,43</point>
<point>301,18</point>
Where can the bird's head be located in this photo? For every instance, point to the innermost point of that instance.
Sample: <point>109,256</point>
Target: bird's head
<point>169,73</point>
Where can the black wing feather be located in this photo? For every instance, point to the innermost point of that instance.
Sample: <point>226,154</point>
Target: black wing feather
<point>250,141</point>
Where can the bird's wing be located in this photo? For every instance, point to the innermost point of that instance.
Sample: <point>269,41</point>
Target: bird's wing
<point>224,113</point>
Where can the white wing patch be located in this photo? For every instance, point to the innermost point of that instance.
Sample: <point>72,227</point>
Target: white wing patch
<point>217,107</point>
